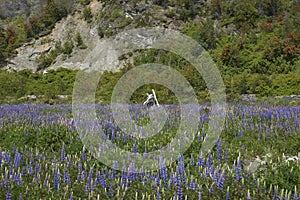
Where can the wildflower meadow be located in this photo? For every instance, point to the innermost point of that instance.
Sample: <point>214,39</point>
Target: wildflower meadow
<point>255,157</point>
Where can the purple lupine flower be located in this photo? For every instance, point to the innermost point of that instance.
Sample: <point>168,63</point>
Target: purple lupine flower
<point>181,163</point>
<point>158,194</point>
<point>89,180</point>
<point>45,183</point>
<point>200,194</point>
<point>116,165</point>
<point>67,178</point>
<point>111,191</point>
<point>124,179</point>
<point>93,186</point>
<point>241,133</point>
<point>177,180</point>
<point>30,170</point>
<point>124,137</point>
<point>90,176</point>
<point>0,158</point>
<point>183,177</point>
<point>275,195</point>
<point>134,148</point>
<point>71,196</point>
<point>70,164</point>
<point>132,173</point>
<point>180,193</point>
<point>8,195</point>
<point>200,161</point>
<point>17,179</point>
<point>193,185</point>
<point>83,173</point>
<point>31,161</point>
<point>226,155</point>
<point>83,155</point>
<point>79,172</point>
<point>221,181</point>
<point>20,196</point>
<point>4,184</point>
<point>56,180</point>
<point>296,197</point>
<point>18,158</point>
<point>11,169</point>
<point>219,151</point>
<point>87,187</point>
<point>209,161</point>
<point>192,160</point>
<point>100,179</point>
<point>163,173</point>
<point>227,195</point>
<point>63,154</point>
<point>39,156</point>
<point>169,185</point>
<point>112,174</point>
<point>238,170</point>
<point>37,170</point>
<point>156,181</point>
<point>7,157</point>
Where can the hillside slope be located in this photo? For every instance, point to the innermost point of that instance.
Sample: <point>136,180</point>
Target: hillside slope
<point>29,55</point>
<point>258,37</point>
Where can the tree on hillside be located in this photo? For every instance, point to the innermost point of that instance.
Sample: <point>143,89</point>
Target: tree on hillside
<point>3,45</point>
<point>270,7</point>
<point>11,35</point>
<point>53,12</point>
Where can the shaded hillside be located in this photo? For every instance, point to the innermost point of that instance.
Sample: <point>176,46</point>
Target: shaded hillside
<point>257,37</point>
<point>255,45</point>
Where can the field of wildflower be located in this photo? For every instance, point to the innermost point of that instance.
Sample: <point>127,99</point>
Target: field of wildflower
<point>256,157</point>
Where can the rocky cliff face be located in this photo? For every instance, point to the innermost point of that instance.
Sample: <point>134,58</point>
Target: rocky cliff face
<point>66,29</point>
<point>108,19</point>
<point>15,8</point>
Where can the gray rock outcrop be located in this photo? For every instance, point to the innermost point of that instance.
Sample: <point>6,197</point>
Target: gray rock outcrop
<point>65,29</point>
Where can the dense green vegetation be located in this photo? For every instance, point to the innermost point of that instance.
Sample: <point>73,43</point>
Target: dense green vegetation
<point>256,47</point>
<point>15,85</point>
<point>17,31</point>
<point>42,156</point>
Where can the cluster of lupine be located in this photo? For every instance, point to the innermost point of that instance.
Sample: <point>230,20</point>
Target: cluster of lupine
<point>38,171</point>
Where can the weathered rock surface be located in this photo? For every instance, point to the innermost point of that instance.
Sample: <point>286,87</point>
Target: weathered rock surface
<point>129,17</point>
<point>27,55</point>
<point>258,163</point>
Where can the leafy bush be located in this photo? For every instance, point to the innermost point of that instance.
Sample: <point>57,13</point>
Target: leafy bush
<point>87,14</point>
<point>68,47</point>
<point>79,41</point>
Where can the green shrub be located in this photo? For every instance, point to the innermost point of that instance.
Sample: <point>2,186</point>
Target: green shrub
<point>101,32</point>
<point>87,14</point>
<point>44,61</point>
<point>68,47</point>
<point>79,41</point>
<point>109,33</point>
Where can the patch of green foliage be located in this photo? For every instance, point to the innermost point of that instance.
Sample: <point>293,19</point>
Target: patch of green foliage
<point>14,33</point>
<point>87,14</point>
<point>14,85</point>
<point>49,143</point>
